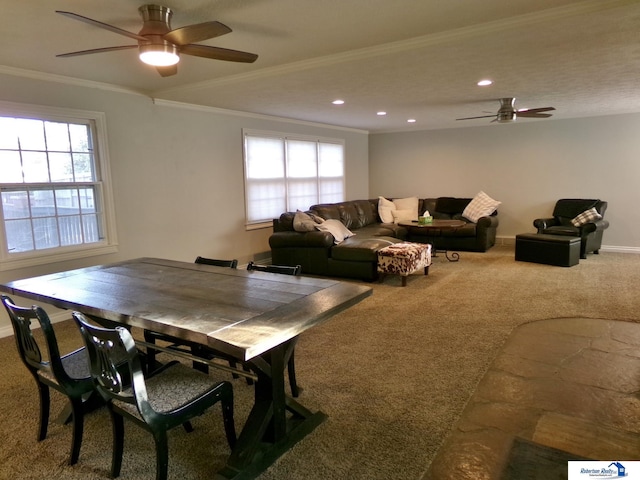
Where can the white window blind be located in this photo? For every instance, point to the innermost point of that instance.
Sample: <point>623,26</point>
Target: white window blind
<point>286,173</point>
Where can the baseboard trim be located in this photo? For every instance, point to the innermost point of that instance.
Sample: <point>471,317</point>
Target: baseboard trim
<point>7,330</point>
<point>506,241</point>
<point>511,241</point>
<point>617,249</point>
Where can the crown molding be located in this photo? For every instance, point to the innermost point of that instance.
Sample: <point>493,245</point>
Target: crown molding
<point>76,82</point>
<point>203,108</point>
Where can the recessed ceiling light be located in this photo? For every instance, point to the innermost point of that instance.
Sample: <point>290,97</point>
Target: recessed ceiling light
<point>381,113</point>
<point>338,102</point>
<point>411,120</point>
<point>484,83</point>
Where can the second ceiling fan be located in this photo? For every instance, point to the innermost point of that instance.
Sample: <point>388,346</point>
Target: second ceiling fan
<point>159,45</point>
<point>508,113</point>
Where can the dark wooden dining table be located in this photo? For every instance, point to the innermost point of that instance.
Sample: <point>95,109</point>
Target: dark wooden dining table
<point>254,316</point>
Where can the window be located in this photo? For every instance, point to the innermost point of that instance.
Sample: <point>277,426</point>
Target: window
<point>56,202</point>
<point>286,173</point>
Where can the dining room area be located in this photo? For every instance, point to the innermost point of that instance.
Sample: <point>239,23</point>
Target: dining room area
<point>241,323</point>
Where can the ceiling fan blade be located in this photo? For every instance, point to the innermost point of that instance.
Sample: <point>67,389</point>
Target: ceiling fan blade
<point>471,118</point>
<point>535,110</point>
<point>98,24</point>
<point>168,71</point>
<point>96,50</point>
<point>217,53</point>
<point>196,33</point>
<point>533,115</point>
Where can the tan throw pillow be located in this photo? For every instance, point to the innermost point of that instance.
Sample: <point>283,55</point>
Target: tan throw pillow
<point>482,205</point>
<point>303,222</point>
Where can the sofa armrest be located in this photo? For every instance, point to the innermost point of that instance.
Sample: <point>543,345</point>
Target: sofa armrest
<point>542,223</point>
<point>488,222</point>
<point>594,226</point>
<point>301,239</point>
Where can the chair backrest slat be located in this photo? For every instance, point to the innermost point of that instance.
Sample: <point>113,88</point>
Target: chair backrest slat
<point>114,361</point>
<point>219,263</point>
<point>30,351</point>
<point>283,269</point>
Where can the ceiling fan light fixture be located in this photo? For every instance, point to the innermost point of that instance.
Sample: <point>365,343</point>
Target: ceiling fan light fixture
<point>506,117</point>
<point>159,55</point>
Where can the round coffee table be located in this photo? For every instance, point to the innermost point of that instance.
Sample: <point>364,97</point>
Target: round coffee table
<point>437,225</point>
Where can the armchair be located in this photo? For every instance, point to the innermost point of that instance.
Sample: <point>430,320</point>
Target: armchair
<point>566,210</point>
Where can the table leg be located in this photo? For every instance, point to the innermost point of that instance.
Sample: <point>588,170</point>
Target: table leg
<point>276,421</point>
<point>452,256</point>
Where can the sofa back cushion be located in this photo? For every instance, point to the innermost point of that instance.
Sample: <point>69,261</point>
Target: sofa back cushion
<point>284,223</point>
<point>353,214</point>
<point>326,210</point>
<point>367,212</point>
<point>451,205</point>
<point>427,204</point>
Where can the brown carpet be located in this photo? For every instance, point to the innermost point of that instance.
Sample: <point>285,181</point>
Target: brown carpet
<point>393,374</point>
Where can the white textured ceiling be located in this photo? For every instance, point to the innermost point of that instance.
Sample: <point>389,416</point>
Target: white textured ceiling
<point>411,58</point>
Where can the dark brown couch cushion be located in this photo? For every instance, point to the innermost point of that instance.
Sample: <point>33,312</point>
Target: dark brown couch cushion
<point>356,249</point>
<point>451,205</point>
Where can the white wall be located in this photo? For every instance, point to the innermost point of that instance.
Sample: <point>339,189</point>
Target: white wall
<point>177,173</point>
<point>527,166</point>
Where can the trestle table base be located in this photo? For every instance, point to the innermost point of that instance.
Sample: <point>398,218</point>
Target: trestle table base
<point>276,422</point>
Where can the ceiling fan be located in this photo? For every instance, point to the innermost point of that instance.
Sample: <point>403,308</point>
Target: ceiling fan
<point>161,46</point>
<point>508,113</point>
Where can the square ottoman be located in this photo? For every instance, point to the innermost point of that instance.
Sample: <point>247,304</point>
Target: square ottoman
<point>559,250</point>
<point>403,259</point>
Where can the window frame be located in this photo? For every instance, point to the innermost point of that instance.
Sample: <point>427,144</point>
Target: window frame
<point>102,184</point>
<point>284,137</point>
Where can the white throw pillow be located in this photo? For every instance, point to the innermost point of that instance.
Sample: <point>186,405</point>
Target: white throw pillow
<point>403,216</point>
<point>482,205</point>
<point>385,207</point>
<point>335,228</point>
<point>409,203</point>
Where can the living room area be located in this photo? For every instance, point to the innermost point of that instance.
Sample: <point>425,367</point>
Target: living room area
<point>422,381</point>
<point>461,314</point>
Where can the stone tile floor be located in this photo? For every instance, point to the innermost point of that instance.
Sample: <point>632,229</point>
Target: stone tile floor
<point>571,384</point>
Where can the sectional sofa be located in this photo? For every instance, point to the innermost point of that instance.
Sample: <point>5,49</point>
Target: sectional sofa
<point>322,246</point>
